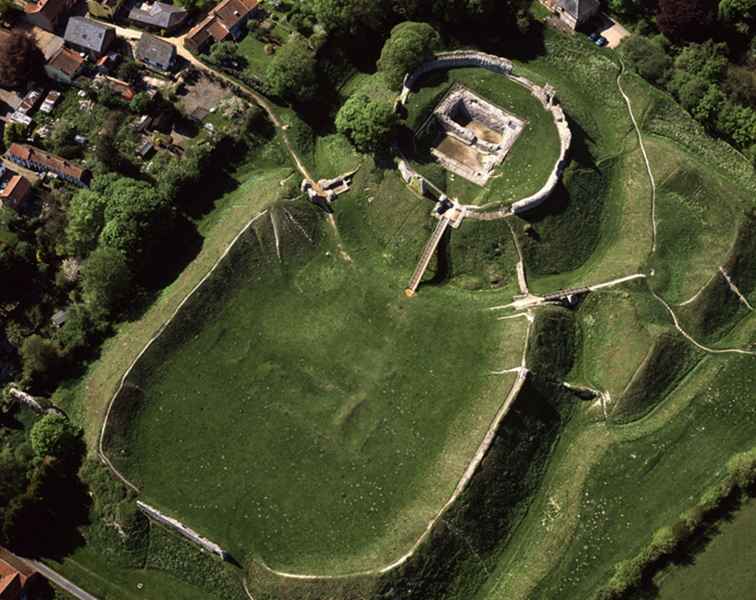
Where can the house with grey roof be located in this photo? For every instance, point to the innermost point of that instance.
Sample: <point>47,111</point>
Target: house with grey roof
<point>91,37</point>
<point>156,53</point>
<point>158,16</point>
<point>577,13</point>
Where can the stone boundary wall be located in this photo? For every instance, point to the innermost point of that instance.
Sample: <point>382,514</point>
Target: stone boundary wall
<point>545,94</point>
<point>455,59</point>
<point>187,532</point>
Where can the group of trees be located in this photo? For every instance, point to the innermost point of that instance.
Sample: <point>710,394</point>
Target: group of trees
<point>704,54</point>
<point>21,60</point>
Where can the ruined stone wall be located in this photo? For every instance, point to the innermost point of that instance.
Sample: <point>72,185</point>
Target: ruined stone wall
<point>178,526</point>
<point>545,94</point>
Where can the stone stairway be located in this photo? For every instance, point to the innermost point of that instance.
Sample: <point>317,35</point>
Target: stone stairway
<point>428,251</point>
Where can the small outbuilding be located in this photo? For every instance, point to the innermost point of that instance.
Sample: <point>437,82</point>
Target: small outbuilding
<point>64,66</point>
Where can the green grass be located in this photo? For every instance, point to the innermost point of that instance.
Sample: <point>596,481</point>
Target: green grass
<point>296,413</point>
<point>723,569</point>
<point>253,51</point>
<point>529,162</point>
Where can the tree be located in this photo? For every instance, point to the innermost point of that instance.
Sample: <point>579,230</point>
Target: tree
<point>141,103</point>
<point>130,72</point>
<point>685,20</point>
<point>410,45</point>
<point>367,123</point>
<point>105,283</point>
<point>291,72</point>
<point>647,57</point>
<point>21,60</point>
<point>346,16</point>
<point>39,359</point>
<point>5,7</point>
<point>740,13</point>
<point>14,132</point>
<point>86,218</point>
<point>54,435</point>
<point>226,54</point>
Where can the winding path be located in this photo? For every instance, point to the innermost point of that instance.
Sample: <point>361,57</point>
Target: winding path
<point>645,155</point>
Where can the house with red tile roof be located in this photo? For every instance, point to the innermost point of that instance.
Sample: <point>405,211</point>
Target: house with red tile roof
<point>43,162</point>
<point>225,21</point>
<point>64,66</point>
<point>14,191</point>
<point>15,579</point>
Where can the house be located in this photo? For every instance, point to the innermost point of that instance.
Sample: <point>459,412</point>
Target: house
<point>91,37</point>
<point>65,66</point>
<point>104,9</point>
<point>225,21</point>
<point>577,13</point>
<point>44,162</point>
<point>158,16</point>
<point>14,191</point>
<point>155,53</point>
<point>48,14</point>
<point>16,578</point>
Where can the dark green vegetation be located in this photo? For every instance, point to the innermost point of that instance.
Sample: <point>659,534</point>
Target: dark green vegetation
<point>703,56</point>
<point>529,162</point>
<point>302,363</point>
<point>722,567</point>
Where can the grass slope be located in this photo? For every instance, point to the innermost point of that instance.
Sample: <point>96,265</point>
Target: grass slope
<point>305,412</point>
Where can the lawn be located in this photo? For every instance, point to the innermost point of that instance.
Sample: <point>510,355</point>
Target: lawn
<point>723,569</point>
<point>528,164</point>
<point>304,420</point>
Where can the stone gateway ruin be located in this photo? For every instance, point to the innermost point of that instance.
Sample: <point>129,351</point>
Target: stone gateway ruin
<point>472,136</point>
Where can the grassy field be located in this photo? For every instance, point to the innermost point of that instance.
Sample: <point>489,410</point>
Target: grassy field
<point>529,162</point>
<point>723,569</point>
<point>304,419</point>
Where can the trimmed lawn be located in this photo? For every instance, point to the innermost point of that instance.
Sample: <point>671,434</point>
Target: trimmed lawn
<point>723,569</point>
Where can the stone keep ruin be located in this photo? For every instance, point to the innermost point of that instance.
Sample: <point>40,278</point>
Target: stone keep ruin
<point>473,136</point>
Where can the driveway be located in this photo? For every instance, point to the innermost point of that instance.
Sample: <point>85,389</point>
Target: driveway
<point>613,31</point>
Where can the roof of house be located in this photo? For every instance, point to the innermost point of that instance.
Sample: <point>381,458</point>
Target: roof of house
<point>155,51</point>
<point>158,14</point>
<point>66,61</point>
<point>53,163</point>
<point>16,189</point>
<point>50,9</point>
<point>87,33</point>
<point>580,9</point>
<point>219,21</point>
<point>13,578</point>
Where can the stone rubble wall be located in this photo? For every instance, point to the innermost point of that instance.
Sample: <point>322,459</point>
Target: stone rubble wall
<point>187,532</point>
<point>545,94</point>
<point>32,403</point>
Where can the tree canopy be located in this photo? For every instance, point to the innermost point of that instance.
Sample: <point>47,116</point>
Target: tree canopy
<point>409,46</point>
<point>106,282</point>
<point>368,123</point>
<point>291,73</point>
<point>21,60</point>
<point>54,435</point>
<point>685,20</point>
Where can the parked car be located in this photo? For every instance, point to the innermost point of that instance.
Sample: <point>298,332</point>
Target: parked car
<point>601,41</point>
<point>594,36</point>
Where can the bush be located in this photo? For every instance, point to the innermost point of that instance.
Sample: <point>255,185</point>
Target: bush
<point>646,57</point>
<point>367,123</point>
<point>291,73</point>
<point>54,435</point>
<point>410,45</point>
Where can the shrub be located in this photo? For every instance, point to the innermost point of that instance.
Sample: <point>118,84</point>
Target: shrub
<point>54,435</point>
